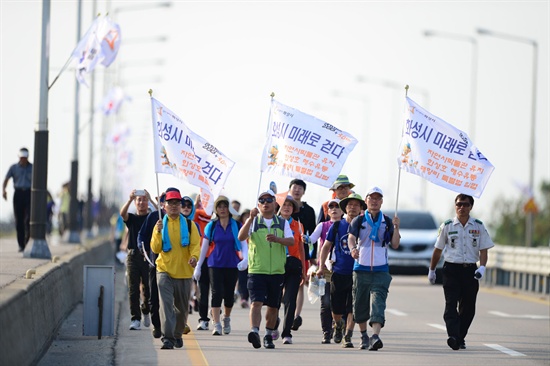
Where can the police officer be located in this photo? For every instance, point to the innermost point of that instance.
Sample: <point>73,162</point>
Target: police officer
<point>21,172</point>
<point>465,241</point>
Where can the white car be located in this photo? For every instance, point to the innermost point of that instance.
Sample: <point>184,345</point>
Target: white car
<point>418,231</point>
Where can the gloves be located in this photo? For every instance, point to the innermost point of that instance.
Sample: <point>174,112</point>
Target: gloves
<point>479,273</point>
<point>431,276</point>
<point>197,273</point>
<point>242,265</point>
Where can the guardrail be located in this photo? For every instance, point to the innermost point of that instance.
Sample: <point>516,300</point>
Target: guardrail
<point>525,269</point>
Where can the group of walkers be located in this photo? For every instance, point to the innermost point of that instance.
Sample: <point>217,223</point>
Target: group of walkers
<point>271,253</point>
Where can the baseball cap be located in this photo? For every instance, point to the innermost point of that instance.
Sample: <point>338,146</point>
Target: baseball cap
<point>23,152</point>
<point>334,200</point>
<point>267,192</point>
<point>173,194</point>
<point>375,190</point>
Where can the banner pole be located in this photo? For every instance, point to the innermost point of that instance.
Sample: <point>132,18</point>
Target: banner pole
<point>266,132</point>
<point>399,168</point>
<point>150,91</point>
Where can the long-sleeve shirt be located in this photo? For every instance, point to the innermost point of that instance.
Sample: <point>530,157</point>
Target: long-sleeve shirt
<point>176,261</point>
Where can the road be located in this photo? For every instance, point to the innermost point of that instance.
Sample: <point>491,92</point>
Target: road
<point>509,329</point>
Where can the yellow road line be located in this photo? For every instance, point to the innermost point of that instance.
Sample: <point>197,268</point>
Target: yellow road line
<point>194,351</point>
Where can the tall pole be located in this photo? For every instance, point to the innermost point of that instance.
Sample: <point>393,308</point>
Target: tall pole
<point>90,199</point>
<point>529,218</point>
<point>74,233</point>
<point>38,219</point>
<point>473,72</point>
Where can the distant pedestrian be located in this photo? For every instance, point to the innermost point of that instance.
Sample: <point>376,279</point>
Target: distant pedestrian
<point>176,241</point>
<point>243,275</point>
<point>21,172</point>
<point>369,237</point>
<point>464,241</point>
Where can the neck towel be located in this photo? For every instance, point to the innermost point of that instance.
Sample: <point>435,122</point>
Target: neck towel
<point>184,233</point>
<point>375,226</point>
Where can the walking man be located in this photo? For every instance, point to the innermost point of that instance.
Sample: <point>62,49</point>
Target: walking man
<point>21,173</point>
<point>466,242</point>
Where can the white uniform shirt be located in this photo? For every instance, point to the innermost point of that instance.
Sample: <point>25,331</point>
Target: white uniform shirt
<point>461,244</point>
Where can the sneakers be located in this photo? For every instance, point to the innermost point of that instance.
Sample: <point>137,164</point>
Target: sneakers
<point>453,343</point>
<point>347,342</point>
<point>297,323</point>
<point>275,332</point>
<point>135,325</point>
<point>338,331</point>
<point>217,329</point>
<point>268,342</point>
<point>462,344</point>
<point>179,343</point>
<point>203,325</point>
<point>254,338</point>
<point>186,329</point>
<point>167,345</point>
<point>364,341</point>
<point>326,338</point>
<point>287,340</point>
<point>156,333</point>
<point>244,304</point>
<point>226,325</point>
<point>146,320</point>
<point>375,343</point>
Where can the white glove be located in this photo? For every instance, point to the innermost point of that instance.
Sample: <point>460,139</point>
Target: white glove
<point>478,275</point>
<point>197,273</point>
<point>242,265</point>
<point>431,276</point>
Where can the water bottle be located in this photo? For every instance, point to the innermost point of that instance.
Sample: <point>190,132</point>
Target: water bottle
<point>322,283</point>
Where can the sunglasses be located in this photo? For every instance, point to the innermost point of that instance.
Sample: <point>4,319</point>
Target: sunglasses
<point>187,205</point>
<point>463,204</point>
<point>173,202</point>
<point>333,206</point>
<point>268,200</point>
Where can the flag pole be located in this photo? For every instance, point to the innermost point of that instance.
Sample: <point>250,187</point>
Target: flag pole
<point>156,174</point>
<point>272,95</point>
<point>399,171</point>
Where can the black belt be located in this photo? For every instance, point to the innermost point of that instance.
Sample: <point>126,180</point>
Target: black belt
<point>22,189</point>
<point>461,264</point>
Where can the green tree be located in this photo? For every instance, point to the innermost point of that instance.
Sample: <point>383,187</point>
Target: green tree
<point>509,226</point>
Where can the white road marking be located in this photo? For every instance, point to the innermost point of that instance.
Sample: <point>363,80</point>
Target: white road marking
<point>438,326</point>
<point>508,351</point>
<point>523,316</point>
<point>396,312</point>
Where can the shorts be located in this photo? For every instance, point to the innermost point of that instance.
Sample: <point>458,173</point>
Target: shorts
<point>341,294</point>
<point>265,288</point>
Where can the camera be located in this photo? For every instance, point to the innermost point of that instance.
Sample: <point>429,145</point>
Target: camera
<point>140,192</point>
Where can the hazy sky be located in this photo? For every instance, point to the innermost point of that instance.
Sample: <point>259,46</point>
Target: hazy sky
<point>221,61</point>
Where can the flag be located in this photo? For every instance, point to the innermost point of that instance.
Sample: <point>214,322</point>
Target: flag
<point>186,155</point>
<point>100,44</point>
<point>302,146</point>
<point>442,154</point>
<point>113,100</point>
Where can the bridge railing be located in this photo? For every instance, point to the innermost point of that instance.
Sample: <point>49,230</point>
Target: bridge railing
<point>524,269</point>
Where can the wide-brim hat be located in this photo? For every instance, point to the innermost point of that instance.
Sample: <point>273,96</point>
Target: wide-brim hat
<point>294,203</point>
<point>340,181</point>
<point>353,196</point>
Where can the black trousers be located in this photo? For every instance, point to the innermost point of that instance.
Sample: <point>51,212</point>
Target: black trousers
<point>22,211</point>
<point>204,291</point>
<point>154,305</point>
<point>291,286</point>
<point>460,288</point>
<point>137,270</point>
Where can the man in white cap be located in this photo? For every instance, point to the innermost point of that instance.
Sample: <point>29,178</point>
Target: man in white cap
<point>21,173</point>
<point>369,237</point>
<point>268,236</point>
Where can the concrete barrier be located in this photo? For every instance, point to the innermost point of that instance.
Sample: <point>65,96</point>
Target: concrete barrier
<point>31,310</point>
<point>520,268</point>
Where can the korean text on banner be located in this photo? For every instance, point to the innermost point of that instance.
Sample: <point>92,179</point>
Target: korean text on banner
<point>186,155</point>
<point>441,153</point>
<point>100,44</point>
<point>302,146</point>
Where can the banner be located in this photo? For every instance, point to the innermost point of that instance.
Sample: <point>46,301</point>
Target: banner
<point>113,100</point>
<point>100,44</point>
<point>302,146</point>
<point>442,154</point>
<point>186,155</point>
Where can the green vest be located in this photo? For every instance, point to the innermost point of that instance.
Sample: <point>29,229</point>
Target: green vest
<point>265,257</point>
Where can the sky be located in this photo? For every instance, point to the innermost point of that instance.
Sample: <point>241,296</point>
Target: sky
<point>218,63</point>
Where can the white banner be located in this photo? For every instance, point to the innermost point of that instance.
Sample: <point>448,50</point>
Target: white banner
<point>113,100</point>
<point>302,146</point>
<point>100,44</point>
<point>442,154</point>
<point>186,155</point>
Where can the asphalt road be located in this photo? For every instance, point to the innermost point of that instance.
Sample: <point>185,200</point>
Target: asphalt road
<point>509,329</point>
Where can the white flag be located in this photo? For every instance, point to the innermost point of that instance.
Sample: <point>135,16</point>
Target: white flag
<point>441,153</point>
<point>302,146</point>
<point>100,44</point>
<point>113,100</point>
<point>186,155</point>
